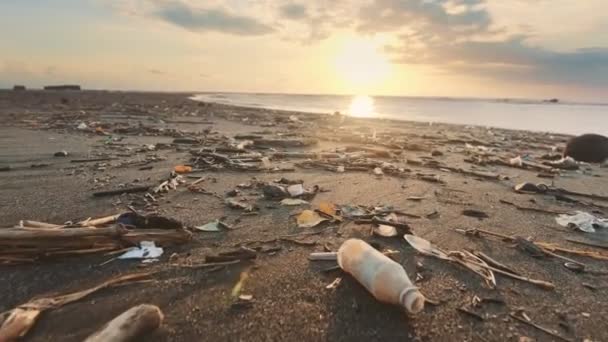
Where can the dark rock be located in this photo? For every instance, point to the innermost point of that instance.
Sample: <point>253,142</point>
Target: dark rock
<point>590,148</point>
<point>19,87</point>
<point>63,87</point>
<point>272,191</point>
<point>61,154</point>
<point>475,213</point>
<point>527,187</point>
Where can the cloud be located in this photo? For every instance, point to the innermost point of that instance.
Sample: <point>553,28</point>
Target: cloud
<point>156,72</point>
<point>459,36</point>
<point>293,11</point>
<point>444,15</point>
<point>210,19</point>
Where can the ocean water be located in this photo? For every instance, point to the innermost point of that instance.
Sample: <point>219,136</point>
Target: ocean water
<point>570,118</point>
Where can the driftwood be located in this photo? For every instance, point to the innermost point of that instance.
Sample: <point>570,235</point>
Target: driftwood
<point>27,244</point>
<point>16,234</point>
<point>17,322</point>
<point>130,325</point>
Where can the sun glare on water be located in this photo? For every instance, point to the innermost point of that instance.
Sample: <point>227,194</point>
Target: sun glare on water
<point>361,106</point>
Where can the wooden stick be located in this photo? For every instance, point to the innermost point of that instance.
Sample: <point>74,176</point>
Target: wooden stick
<point>591,254</point>
<point>99,221</point>
<point>38,224</point>
<point>541,328</point>
<point>130,325</point>
<point>544,284</point>
<point>493,262</point>
<point>39,234</point>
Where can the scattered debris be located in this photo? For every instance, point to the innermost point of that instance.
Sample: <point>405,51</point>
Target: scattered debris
<point>131,325</point>
<point>17,322</point>
<point>541,328</point>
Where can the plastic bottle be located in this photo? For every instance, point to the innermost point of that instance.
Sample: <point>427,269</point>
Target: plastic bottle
<point>385,279</point>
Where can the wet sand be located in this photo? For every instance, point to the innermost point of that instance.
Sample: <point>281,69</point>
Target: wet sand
<point>290,299</point>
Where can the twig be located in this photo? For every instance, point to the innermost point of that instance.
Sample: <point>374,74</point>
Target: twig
<point>493,262</point>
<point>122,191</point>
<point>541,328</point>
<point>544,284</point>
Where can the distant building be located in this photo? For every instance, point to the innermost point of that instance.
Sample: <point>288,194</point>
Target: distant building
<point>19,87</point>
<point>63,87</point>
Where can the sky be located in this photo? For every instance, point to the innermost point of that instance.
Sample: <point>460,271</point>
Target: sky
<point>458,48</point>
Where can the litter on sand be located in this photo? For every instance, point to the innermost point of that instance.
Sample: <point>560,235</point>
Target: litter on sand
<point>146,250</point>
<point>213,226</point>
<point>582,221</point>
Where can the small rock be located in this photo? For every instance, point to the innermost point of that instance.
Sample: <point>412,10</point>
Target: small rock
<point>61,154</point>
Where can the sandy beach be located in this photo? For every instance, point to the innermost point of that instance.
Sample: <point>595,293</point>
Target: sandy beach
<point>444,179</point>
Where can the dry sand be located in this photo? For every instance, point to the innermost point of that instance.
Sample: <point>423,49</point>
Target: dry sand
<point>290,301</point>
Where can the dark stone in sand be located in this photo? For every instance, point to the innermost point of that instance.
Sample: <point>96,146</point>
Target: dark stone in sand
<point>61,154</point>
<point>274,191</point>
<point>590,148</point>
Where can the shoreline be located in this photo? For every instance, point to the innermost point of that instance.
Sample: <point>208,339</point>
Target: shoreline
<point>444,177</point>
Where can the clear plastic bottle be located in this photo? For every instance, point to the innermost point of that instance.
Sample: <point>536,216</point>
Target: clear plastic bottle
<point>385,279</point>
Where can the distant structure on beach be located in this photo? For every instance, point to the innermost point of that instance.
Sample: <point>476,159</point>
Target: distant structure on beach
<point>18,87</point>
<point>551,101</point>
<point>62,87</point>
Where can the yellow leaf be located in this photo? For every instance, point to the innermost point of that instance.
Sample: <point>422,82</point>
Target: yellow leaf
<point>309,218</point>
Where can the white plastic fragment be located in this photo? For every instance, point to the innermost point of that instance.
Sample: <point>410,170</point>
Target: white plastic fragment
<point>583,221</point>
<point>146,250</point>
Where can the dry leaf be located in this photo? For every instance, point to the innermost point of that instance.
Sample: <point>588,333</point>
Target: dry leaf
<point>309,219</point>
<point>329,209</point>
